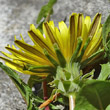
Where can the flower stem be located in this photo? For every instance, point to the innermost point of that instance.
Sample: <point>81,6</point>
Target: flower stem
<point>45,93</point>
<point>71,102</point>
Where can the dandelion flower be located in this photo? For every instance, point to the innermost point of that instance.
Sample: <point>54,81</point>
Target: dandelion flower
<point>80,42</point>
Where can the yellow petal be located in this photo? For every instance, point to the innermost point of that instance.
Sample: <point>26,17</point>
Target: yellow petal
<point>73,32</point>
<point>33,73</point>
<point>84,33</point>
<point>49,33</point>
<point>64,31</point>
<point>59,39</point>
<point>95,37</point>
<point>13,47</point>
<point>14,66</point>
<point>31,59</point>
<point>19,68</point>
<point>95,25</point>
<point>94,44</point>
<point>28,48</point>
<point>37,38</point>
<point>87,22</point>
<point>8,55</point>
<point>81,29</point>
<point>21,38</point>
<point>51,23</point>
<point>80,24</point>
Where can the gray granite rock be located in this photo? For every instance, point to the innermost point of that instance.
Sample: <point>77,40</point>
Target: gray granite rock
<point>15,18</point>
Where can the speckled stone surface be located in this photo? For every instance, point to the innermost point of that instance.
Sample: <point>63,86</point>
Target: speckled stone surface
<point>15,18</point>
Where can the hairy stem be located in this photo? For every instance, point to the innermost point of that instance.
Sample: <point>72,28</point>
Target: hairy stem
<point>71,102</point>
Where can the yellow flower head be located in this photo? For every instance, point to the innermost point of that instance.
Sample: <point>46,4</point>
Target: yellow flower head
<point>57,46</point>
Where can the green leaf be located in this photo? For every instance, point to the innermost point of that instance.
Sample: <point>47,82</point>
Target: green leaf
<point>51,59</point>
<point>63,99</point>
<point>46,10</point>
<point>54,107</point>
<point>96,95</point>
<point>75,54</point>
<point>11,73</point>
<point>86,62</point>
<point>83,104</point>
<point>60,56</point>
<point>108,107</point>
<point>89,75</point>
<point>105,71</point>
<point>31,100</point>
<point>67,74</point>
<point>83,50</point>
<point>61,86</point>
<point>106,31</point>
<point>15,78</point>
<point>46,67</point>
<point>33,80</point>
<point>40,26</point>
<point>66,85</point>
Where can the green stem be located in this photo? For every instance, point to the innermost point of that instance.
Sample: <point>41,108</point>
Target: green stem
<point>71,102</point>
<point>47,17</point>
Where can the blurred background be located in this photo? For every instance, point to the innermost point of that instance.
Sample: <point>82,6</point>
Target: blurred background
<point>16,17</point>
